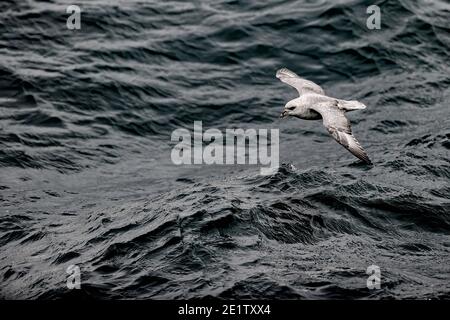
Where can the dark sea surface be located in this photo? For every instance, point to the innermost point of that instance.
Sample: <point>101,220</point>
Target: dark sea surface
<point>86,177</point>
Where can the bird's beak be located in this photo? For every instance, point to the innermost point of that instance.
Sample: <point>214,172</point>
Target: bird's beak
<point>283,114</point>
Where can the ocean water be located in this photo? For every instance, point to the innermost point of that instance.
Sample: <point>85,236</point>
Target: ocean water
<point>86,177</point>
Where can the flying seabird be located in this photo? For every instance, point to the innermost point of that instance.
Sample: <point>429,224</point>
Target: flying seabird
<point>313,104</point>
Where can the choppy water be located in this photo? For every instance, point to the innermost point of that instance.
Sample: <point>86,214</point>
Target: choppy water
<point>86,176</point>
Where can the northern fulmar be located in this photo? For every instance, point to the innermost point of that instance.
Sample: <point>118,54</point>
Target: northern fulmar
<point>313,104</point>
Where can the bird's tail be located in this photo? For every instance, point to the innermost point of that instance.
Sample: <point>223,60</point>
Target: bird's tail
<point>350,105</point>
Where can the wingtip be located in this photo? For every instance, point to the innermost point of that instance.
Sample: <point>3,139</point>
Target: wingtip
<point>285,72</point>
<point>365,158</point>
<point>279,72</point>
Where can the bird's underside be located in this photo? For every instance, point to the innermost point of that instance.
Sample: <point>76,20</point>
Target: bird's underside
<point>314,104</point>
<point>309,114</point>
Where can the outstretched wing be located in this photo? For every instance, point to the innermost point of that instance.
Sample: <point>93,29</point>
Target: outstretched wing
<point>302,85</point>
<point>338,126</point>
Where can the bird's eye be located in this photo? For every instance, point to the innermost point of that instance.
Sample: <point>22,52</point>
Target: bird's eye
<point>291,108</point>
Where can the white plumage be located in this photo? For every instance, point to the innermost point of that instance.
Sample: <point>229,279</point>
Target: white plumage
<point>313,104</point>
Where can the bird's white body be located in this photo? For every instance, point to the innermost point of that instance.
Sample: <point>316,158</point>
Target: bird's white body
<point>305,102</point>
<point>302,106</point>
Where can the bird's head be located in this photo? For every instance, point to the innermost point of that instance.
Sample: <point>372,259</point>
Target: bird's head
<point>290,109</point>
